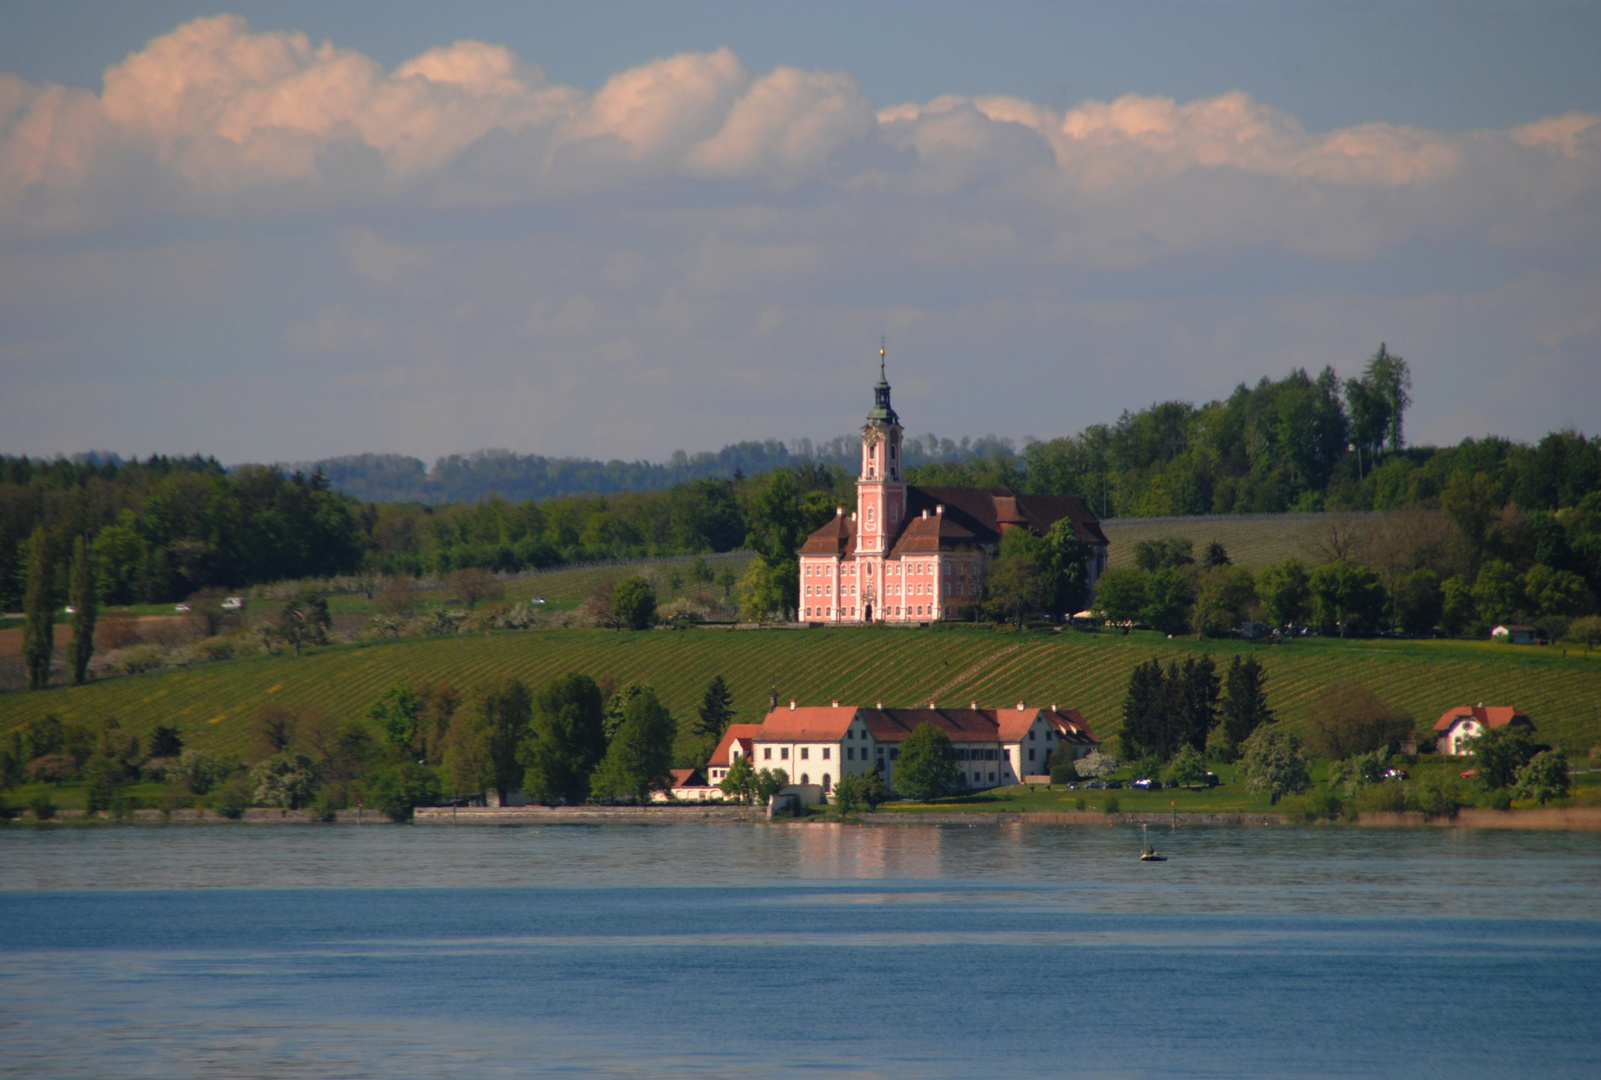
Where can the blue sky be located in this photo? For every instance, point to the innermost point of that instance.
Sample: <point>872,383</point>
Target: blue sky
<point>618,229</point>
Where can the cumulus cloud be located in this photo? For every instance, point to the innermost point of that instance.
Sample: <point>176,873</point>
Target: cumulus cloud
<point>458,226</point>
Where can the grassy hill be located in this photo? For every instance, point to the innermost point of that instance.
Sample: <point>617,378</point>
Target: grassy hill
<point>213,703</point>
<point>1253,540</point>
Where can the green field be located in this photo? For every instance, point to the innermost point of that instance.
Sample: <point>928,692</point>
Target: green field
<point>212,703</point>
<point>1253,541</point>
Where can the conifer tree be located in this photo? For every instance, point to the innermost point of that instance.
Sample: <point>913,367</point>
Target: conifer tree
<point>38,628</point>
<point>1244,706</point>
<point>716,711</point>
<point>82,599</point>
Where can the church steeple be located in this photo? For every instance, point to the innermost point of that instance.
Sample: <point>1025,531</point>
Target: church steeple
<point>880,491</point>
<point>882,412</point>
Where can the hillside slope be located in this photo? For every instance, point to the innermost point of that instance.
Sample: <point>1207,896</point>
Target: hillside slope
<point>213,703</point>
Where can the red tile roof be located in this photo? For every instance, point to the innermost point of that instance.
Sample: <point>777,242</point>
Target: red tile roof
<point>807,723</point>
<point>683,778</point>
<point>962,725</point>
<point>1490,716</point>
<point>741,733</point>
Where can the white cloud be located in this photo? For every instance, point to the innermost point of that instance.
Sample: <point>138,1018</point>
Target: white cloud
<point>715,245</point>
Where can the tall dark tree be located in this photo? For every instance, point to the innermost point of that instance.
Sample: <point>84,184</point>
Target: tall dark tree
<point>716,710</point>
<point>39,608</point>
<point>1244,705</point>
<point>1201,687</point>
<point>1142,711</point>
<point>82,599</point>
<point>567,740</point>
<point>503,715</point>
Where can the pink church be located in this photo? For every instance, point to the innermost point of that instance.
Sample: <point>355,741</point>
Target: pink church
<point>915,554</point>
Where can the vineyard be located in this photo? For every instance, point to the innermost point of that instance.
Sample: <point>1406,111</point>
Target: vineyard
<point>212,703</point>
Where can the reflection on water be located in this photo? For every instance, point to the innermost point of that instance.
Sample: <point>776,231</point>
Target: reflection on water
<point>716,951</point>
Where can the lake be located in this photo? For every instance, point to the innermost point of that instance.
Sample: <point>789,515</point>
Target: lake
<point>739,951</point>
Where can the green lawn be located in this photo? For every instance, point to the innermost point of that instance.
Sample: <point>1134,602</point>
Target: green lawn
<point>213,703</point>
<point>1252,542</point>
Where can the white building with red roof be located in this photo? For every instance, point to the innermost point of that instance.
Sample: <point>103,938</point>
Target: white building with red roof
<point>913,554</point>
<point>1460,726</point>
<point>817,745</point>
<point>735,743</point>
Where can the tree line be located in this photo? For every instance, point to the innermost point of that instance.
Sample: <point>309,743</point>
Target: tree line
<point>163,528</point>
<point>567,742</point>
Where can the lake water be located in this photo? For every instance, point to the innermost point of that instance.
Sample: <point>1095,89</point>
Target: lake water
<point>736,951</point>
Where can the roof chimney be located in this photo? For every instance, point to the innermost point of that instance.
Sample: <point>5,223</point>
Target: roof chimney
<point>925,513</point>
<point>839,511</point>
<point>772,700</point>
<point>940,509</point>
<point>972,705</point>
<point>835,703</point>
<point>792,705</point>
<point>1019,706</point>
<point>1053,706</point>
<point>878,704</point>
<point>932,704</point>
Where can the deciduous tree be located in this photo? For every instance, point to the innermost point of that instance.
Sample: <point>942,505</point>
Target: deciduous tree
<point>639,758</point>
<point>927,767</point>
<point>567,740</point>
<point>1272,763</point>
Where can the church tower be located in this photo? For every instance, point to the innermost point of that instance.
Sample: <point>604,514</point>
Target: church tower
<point>880,490</point>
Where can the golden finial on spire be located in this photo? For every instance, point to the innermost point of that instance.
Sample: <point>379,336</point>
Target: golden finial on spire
<point>881,359</point>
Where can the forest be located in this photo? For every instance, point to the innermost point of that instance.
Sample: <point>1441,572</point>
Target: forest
<point>163,528</point>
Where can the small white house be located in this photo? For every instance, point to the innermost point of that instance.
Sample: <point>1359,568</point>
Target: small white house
<point>1515,634</point>
<point>1458,727</point>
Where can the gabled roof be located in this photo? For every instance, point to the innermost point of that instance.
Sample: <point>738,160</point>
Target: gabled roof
<point>837,538</point>
<point>1490,716</point>
<point>932,534</point>
<point>742,733</point>
<point>962,725</point>
<point>807,723</point>
<point>1070,726</point>
<point>683,778</point>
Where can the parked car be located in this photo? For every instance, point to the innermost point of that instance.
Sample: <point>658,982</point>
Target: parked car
<point>234,603</point>
<point>1395,774</point>
<point>1211,780</point>
<point>1114,785</point>
<point>1145,783</point>
<point>1095,785</point>
<point>181,609</point>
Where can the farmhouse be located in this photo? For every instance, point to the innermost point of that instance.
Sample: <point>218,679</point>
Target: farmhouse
<point>816,745</point>
<point>1459,726</point>
<point>913,554</point>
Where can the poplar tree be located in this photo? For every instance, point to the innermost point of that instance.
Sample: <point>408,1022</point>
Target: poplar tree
<point>82,599</point>
<point>38,628</point>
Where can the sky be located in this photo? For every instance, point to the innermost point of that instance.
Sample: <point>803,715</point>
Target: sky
<point>287,231</point>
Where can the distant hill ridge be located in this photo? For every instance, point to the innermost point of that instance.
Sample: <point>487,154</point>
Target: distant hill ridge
<point>520,477</point>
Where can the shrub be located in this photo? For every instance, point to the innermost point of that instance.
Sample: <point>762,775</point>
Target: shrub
<point>43,809</point>
<point>1544,778</point>
<point>285,780</point>
<point>397,790</point>
<point>848,795</point>
<point>141,658</point>
<point>1387,798</point>
<point>1081,803</point>
<point>200,772</point>
<point>233,798</point>
<point>217,649</point>
<point>1112,805</point>
<point>1439,794</point>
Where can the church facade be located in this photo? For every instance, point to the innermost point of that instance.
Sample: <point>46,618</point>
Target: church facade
<point>912,554</point>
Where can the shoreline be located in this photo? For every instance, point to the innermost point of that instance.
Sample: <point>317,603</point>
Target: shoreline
<point>1552,819</point>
